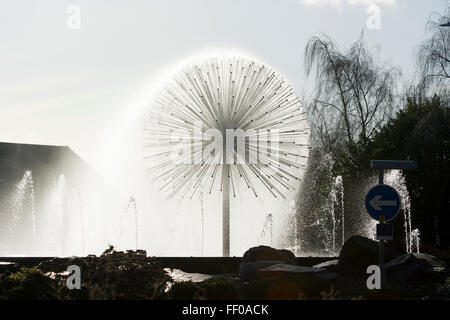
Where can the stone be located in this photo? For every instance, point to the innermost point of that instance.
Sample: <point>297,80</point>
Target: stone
<point>331,265</point>
<point>257,258</point>
<point>360,252</point>
<point>252,270</point>
<point>8,267</point>
<point>265,253</point>
<point>416,266</point>
<point>279,270</point>
<point>286,281</point>
<point>178,275</point>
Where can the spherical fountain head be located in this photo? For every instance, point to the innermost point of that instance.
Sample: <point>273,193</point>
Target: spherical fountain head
<point>227,120</point>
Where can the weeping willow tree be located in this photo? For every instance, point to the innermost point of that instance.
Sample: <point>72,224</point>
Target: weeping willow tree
<point>433,54</point>
<point>353,94</point>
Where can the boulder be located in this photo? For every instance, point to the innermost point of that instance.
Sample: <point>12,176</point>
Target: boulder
<point>331,265</point>
<point>359,252</point>
<point>178,275</point>
<point>253,270</point>
<point>265,253</point>
<point>257,258</point>
<point>287,281</point>
<point>416,266</point>
<point>8,267</point>
<point>280,270</point>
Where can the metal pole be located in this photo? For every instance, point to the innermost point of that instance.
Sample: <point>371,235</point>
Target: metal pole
<point>271,229</point>
<point>136,222</point>
<point>381,242</point>
<point>226,211</point>
<point>381,263</point>
<point>203,221</point>
<point>295,233</point>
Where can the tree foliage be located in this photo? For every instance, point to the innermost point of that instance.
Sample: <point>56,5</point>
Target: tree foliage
<point>433,54</point>
<point>353,94</point>
<point>355,117</point>
<point>421,131</point>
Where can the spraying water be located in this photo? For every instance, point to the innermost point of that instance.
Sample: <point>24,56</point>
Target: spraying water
<point>267,231</point>
<point>395,179</point>
<point>415,239</point>
<point>23,211</point>
<point>130,209</point>
<point>336,207</point>
<point>83,237</point>
<point>339,187</point>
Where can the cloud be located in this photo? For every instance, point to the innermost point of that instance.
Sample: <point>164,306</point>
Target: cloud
<point>339,3</point>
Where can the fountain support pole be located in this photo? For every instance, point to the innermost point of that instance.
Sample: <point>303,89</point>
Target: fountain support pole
<point>226,211</point>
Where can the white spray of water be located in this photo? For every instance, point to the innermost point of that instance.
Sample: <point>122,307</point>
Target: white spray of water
<point>267,231</point>
<point>339,201</point>
<point>395,179</point>
<point>24,187</point>
<point>333,219</point>
<point>415,238</point>
<point>83,237</point>
<point>336,204</point>
<point>130,211</point>
<point>59,215</point>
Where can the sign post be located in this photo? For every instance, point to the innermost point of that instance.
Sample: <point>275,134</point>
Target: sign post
<point>383,204</point>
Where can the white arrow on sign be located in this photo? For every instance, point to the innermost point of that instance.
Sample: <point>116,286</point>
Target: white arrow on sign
<point>376,203</point>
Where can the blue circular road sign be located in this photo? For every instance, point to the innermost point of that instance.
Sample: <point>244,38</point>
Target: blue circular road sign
<point>383,200</point>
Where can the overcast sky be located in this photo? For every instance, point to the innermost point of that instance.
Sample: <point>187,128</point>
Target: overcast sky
<point>69,87</point>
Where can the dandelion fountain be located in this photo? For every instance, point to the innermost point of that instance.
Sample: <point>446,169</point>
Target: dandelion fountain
<point>224,122</point>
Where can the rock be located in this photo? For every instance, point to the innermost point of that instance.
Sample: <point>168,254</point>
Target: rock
<point>257,258</point>
<point>416,266</point>
<point>286,281</point>
<point>252,270</point>
<point>180,276</point>
<point>279,270</point>
<point>8,267</point>
<point>265,253</point>
<point>332,265</point>
<point>359,252</point>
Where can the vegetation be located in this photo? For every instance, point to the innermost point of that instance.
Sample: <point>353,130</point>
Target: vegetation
<point>433,55</point>
<point>353,95</point>
<point>113,276</point>
<point>357,115</point>
<point>29,284</point>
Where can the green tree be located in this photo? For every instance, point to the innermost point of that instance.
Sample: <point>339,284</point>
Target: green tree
<point>421,132</point>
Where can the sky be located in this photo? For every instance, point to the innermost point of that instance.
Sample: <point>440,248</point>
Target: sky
<point>64,86</point>
<point>86,83</point>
